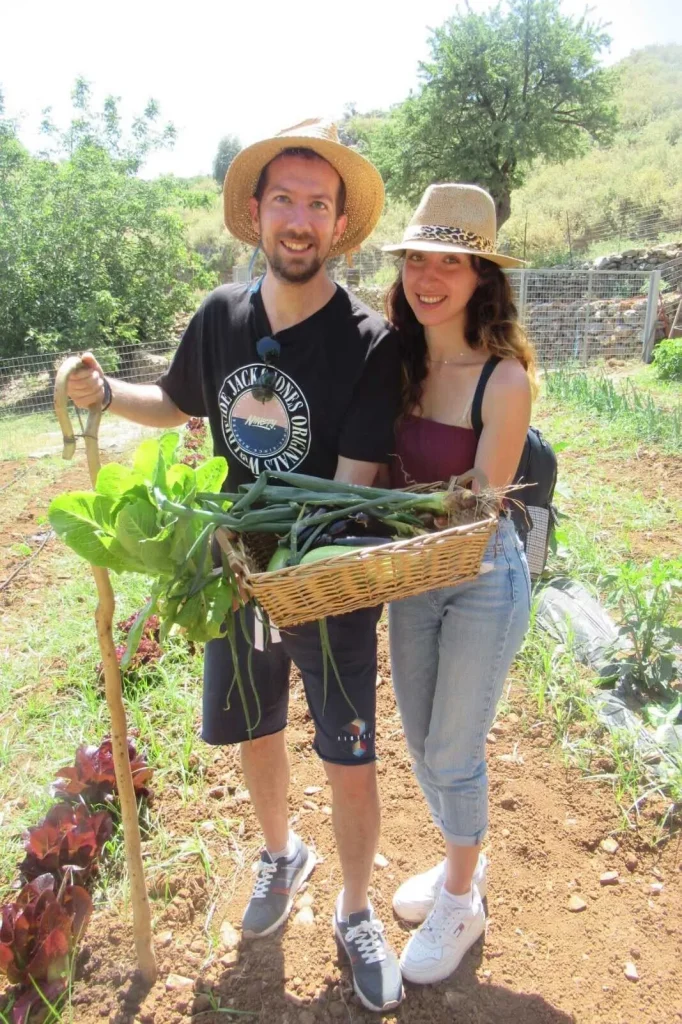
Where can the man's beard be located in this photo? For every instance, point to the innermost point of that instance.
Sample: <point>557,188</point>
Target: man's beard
<point>290,272</point>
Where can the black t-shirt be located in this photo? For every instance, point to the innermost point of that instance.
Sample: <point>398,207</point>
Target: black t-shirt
<point>336,384</point>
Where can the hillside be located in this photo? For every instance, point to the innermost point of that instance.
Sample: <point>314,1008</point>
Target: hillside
<point>617,195</point>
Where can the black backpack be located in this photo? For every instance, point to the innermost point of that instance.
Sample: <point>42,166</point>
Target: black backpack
<point>535,515</point>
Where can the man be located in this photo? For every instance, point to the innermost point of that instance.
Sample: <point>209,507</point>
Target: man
<point>294,374</point>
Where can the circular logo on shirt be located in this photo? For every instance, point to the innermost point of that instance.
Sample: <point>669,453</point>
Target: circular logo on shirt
<point>270,434</point>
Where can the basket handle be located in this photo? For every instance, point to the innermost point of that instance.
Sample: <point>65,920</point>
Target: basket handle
<point>235,560</point>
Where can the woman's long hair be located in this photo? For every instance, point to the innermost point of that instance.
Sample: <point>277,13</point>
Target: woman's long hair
<point>491,324</point>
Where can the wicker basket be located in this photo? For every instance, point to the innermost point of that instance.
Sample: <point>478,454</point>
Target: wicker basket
<point>371,576</point>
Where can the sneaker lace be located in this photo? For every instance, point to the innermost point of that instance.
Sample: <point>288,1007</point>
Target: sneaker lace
<point>265,875</point>
<point>368,937</point>
<point>439,922</point>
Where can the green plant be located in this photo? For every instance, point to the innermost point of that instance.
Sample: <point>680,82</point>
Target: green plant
<point>645,597</point>
<point>487,118</point>
<point>92,254</point>
<point>632,408</point>
<point>668,359</point>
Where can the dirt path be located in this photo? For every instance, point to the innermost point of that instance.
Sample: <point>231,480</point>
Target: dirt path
<point>540,964</point>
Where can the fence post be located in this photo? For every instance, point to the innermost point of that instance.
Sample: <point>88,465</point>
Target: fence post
<point>523,289</point>
<point>584,348</point>
<point>650,316</point>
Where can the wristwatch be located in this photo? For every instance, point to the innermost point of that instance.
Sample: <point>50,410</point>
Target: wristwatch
<point>108,396</point>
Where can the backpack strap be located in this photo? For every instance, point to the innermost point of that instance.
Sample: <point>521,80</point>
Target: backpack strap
<point>477,404</point>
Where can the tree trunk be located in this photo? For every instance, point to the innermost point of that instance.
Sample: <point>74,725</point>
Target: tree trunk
<point>502,207</point>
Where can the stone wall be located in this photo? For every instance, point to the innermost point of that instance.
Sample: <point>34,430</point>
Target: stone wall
<point>637,259</point>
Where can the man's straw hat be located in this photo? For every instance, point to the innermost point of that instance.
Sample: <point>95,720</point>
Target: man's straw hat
<point>455,218</point>
<point>364,187</point>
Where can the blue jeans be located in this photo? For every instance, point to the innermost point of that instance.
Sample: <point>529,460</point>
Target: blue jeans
<point>451,650</point>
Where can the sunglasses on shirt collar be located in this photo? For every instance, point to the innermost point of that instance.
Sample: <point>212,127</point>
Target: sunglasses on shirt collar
<point>268,350</point>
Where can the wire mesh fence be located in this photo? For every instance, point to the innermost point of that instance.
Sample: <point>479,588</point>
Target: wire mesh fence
<point>570,316</point>
<point>573,315</point>
<point>27,421</point>
<point>670,295</point>
<point>584,315</point>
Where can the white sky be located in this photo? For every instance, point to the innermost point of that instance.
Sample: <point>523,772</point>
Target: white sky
<point>248,68</point>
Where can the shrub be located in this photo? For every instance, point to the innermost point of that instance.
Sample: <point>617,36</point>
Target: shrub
<point>668,359</point>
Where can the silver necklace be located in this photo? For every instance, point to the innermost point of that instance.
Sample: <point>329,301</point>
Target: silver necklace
<point>451,362</point>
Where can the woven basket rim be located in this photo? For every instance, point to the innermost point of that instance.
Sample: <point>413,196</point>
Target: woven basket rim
<point>368,553</point>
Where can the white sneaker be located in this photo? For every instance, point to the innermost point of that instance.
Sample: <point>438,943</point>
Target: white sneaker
<point>437,947</point>
<point>415,898</point>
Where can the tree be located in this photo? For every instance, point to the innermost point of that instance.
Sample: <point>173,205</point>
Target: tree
<point>91,255</point>
<point>502,88</point>
<point>103,129</point>
<point>355,129</point>
<point>228,147</point>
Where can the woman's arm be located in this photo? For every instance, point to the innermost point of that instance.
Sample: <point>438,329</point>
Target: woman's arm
<point>506,417</point>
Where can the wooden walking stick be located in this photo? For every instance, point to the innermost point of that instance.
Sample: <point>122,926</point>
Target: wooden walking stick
<point>104,618</point>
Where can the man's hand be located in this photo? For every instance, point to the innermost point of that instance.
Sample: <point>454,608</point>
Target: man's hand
<point>86,387</point>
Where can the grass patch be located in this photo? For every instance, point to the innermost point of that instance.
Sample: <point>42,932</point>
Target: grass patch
<point>634,410</point>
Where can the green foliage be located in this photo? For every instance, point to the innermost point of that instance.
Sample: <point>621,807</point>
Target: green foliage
<point>124,526</point>
<point>668,359</point>
<point>103,130</point>
<point>228,147</point>
<point>627,191</point>
<point>209,238</point>
<point>646,597</point>
<point>90,254</point>
<point>502,88</point>
<point>633,409</point>
<point>356,129</point>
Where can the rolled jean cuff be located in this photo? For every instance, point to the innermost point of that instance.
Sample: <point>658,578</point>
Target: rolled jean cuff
<point>474,840</point>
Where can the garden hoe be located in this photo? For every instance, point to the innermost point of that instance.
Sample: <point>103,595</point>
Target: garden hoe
<point>104,617</point>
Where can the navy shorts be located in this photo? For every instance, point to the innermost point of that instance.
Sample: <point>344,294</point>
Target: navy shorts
<point>344,721</point>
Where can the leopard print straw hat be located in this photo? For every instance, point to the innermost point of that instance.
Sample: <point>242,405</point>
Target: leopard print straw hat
<point>454,218</point>
<point>364,186</point>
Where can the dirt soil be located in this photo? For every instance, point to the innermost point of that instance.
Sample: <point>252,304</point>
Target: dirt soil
<point>540,963</point>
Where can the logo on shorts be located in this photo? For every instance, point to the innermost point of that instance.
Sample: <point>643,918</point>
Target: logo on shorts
<point>358,732</point>
<point>264,435</point>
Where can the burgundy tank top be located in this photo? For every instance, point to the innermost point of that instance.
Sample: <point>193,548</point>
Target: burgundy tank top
<point>427,451</point>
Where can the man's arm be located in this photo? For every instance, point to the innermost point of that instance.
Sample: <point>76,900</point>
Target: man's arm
<point>147,404</point>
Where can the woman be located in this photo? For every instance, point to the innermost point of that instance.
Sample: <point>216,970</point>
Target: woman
<point>451,649</point>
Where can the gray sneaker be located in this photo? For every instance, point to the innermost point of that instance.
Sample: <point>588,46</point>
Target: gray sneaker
<point>274,891</point>
<point>376,972</point>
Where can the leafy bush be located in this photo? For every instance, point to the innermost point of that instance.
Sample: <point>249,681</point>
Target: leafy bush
<point>646,597</point>
<point>668,359</point>
<point>91,255</point>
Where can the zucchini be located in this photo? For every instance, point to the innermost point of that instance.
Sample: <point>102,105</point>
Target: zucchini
<point>279,560</point>
<point>328,551</point>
